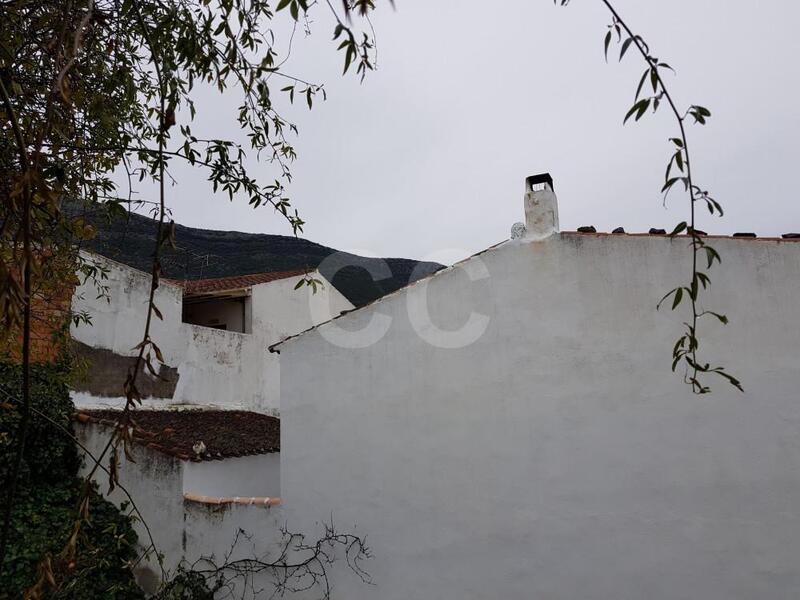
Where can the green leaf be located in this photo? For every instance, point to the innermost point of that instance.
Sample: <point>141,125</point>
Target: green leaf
<point>641,85</point>
<point>669,183</point>
<point>711,255</point>
<point>625,45</point>
<point>638,108</point>
<point>731,379</point>
<point>667,295</point>
<point>678,228</point>
<point>678,298</point>
<point>607,43</point>
<point>282,4</point>
<point>349,55</point>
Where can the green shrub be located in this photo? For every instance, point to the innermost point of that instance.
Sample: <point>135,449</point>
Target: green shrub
<point>50,455</point>
<point>47,498</point>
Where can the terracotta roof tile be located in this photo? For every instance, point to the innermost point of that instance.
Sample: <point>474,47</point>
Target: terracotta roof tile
<point>223,433</point>
<point>786,237</point>
<point>221,284</point>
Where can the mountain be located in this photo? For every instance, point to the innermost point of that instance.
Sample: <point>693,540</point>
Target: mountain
<point>206,253</point>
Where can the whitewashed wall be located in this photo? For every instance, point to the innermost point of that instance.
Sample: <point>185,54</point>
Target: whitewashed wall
<point>118,319</point>
<point>257,475</point>
<point>280,311</point>
<point>226,368</point>
<point>185,531</point>
<point>155,482</point>
<point>557,457</point>
<point>212,534</point>
<point>215,368</point>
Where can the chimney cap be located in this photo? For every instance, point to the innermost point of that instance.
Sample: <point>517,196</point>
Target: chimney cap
<point>533,180</point>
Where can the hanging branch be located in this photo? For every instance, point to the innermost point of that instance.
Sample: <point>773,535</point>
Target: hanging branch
<point>296,567</point>
<point>24,190</point>
<point>679,170</point>
<point>95,85</point>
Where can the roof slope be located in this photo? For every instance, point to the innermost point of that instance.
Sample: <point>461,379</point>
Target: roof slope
<point>205,286</point>
<point>208,254</point>
<point>223,433</point>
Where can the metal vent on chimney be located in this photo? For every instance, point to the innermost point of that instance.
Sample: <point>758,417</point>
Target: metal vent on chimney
<point>536,183</point>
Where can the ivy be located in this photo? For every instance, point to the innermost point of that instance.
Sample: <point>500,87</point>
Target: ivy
<point>48,490</point>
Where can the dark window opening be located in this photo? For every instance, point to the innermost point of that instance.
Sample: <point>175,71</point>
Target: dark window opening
<point>227,313</point>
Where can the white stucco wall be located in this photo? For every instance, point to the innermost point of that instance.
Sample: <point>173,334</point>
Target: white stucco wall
<point>211,531</point>
<point>279,310</point>
<point>226,369</point>
<point>155,482</point>
<point>216,368</point>
<point>185,531</point>
<point>118,320</point>
<point>556,456</point>
<point>258,475</point>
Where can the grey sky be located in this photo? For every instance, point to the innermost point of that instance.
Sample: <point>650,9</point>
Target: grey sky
<point>427,158</point>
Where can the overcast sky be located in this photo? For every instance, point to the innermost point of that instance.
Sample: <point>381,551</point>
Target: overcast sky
<point>427,158</point>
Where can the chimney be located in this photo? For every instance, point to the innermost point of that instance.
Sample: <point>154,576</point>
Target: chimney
<point>541,207</point>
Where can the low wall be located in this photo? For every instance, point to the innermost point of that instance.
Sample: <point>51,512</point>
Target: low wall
<point>155,482</point>
<point>187,531</point>
<point>229,532</point>
<point>257,475</point>
<point>226,369</point>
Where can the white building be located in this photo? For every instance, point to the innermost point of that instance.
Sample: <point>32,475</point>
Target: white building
<point>206,462</point>
<point>515,430</point>
<point>510,428</point>
<point>214,335</point>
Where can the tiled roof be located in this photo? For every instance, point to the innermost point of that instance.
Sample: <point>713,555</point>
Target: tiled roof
<point>237,282</point>
<point>590,230</point>
<point>198,434</point>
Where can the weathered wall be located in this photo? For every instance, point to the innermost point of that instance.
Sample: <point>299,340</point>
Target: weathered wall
<point>118,321</point>
<point>184,531</point>
<point>258,475</point>
<point>556,456</point>
<point>214,367</point>
<point>101,373</point>
<point>155,482</point>
<point>219,534</point>
<point>224,368</point>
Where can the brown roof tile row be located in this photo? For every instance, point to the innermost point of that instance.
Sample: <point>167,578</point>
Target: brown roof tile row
<point>221,284</point>
<point>197,435</point>
<point>590,229</point>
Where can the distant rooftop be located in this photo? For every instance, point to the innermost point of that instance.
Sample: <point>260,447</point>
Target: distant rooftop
<point>205,254</point>
<point>221,284</point>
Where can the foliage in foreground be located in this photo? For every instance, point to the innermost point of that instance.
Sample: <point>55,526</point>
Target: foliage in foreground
<point>49,490</point>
